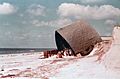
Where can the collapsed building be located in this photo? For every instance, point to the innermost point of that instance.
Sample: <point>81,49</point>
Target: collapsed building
<point>80,37</point>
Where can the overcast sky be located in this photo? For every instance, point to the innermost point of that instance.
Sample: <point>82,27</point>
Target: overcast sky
<point>31,23</point>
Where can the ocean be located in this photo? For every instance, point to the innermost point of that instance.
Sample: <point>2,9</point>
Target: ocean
<point>22,50</point>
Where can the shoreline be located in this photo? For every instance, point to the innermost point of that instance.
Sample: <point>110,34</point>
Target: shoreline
<point>22,50</point>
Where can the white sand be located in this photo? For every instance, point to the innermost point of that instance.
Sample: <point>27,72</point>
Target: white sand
<point>112,57</point>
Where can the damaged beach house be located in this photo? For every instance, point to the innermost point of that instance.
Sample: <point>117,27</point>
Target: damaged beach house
<point>79,37</point>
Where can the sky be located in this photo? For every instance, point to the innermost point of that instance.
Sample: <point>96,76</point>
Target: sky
<point>32,23</point>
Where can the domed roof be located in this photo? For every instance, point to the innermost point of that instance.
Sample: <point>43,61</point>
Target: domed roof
<point>79,37</point>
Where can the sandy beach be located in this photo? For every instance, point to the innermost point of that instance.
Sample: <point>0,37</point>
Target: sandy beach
<point>31,66</point>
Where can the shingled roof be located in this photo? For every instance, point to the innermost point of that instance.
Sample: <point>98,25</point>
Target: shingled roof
<point>80,37</point>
